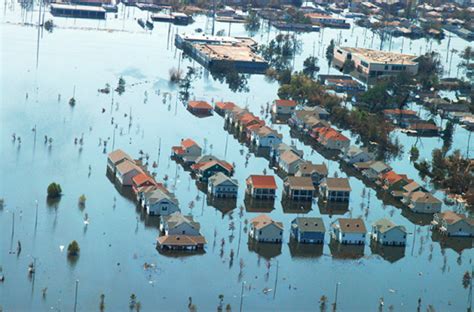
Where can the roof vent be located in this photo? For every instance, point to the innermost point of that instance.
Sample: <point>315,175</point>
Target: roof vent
<point>306,224</point>
<point>357,225</point>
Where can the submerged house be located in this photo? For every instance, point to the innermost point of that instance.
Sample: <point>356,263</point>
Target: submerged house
<point>200,107</point>
<point>188,151</point>
<point>289,162</point>
<point>261,186</point>
<point>335,189</point>
<point>265,137</point>
<point>283,107</point>
<point>356,154</point>
<point>386,232</point>
<point>179,224</point>
<point>159,202</point>
<point>299,188</point>
<point>308,230</point>
<point>116,157</point>
<point>125,171</point>
<point>221,186</point>
<point>349,231</point>
<point>205,169</point>
<point>222,107</point>
<point>317,172</point>
<point>180,242</point>
<point>453,224</point>
<point>422,202</point>
<point>264,229</point>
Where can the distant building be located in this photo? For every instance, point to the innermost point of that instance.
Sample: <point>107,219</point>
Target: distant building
<point>200,107</point>
<point>385,232</point>
<point>222,107</point>
<point>205,170</point>
<point>221,186</point>
<point>330,138</point>
<point>180,242</point>
<point>453,224</point>
<point>299,188</point>
<point>374,63</point>
<point>335,189</point>
<point>283,107</point>
<point>141,181</point>
<point>261,186</point>
<point>266,137</point>
<point>356,154</point>
<point>325,20</point>
<point>349,231</point>
<point>375,169</point>
<point>422,202</point>
<point>77,11</point>
<point>264,229</point>
<point>308,230</point>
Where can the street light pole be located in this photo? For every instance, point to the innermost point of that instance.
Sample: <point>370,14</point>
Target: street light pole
<point>36,217</point>
<point>242,296</point>
<point>335,297</point>
<point>75,296</point>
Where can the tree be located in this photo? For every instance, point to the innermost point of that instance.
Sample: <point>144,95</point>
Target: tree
<point>133,301</point>
<point>330,51</point>
<point>120,86</point>
<point>185,85</point>
<point>73,249</point>
<point>54,190</point>
<point>226,72</point>
<point>414,153</point>
<point>467,56</point>
<point>429,69</point>
<point>447,136</point>
<point>82,201</point>
<point>252,22</point>
<point>466,280</point>
<point>228,308</point>
<point>348,66</point>
<point>102,303</point>
<point>310,66</point>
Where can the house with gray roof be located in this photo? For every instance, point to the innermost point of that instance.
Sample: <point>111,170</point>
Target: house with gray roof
<point>349,231</point>
<point>355,154</point>
<point>422,202</point>
<point>298,188</point>
<point>386,232</point>
<point>450,223</point>
<point>159,202</point>
<point>289,162</point>
<point>375,169</point>
<point>308,230</point>
<point>221,186</point>
<point>179,224</point>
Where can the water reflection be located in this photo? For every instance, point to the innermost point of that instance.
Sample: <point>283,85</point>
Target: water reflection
<point>390,253</point>
<point>181,253</point>
<point>299,250</point>
<point>290,206</point>
<point>224,205</point>
<point>258,205</point>
<point>458,244</point>
<point>333,208</point>
<point>344,251</point>
<point>417,218</point>
<point>264,250</point>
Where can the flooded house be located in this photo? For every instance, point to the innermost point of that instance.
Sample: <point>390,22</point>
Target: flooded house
<point>180,242</point>
<point>261,186</point>
<point>289,162</point>
<point>283,107</point>
<point>160,202</point>
<point>188,151</point>
<point>77,11</point>
<point>179,224</point>
<point>222,107</point>
<point>204,170</point>
<point>423,128</point>
<point>330,138</point>
<point>221,186</point>
<point>335,189</point>
<point>125,171</point>
<point>265,137</point>
<point>450,223</point>
<point>298,188</point>
<point>317,172</point>
<point>278,150</point>
<point>349,231</point>
<point>200,108</point>
<point>142,181</point>
<point>374,169</point>
<point>422,202</point>
<point>116,157</point>
<point>400,117</point>
<point>385,232</point>
<point>355,154</point>
<point>264,229</point>
<point>391,181</point>
<point>308,230</point>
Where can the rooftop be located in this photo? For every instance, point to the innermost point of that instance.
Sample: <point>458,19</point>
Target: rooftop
<point>384,225</point>
<point>350,225</point>
<point>127,166</point>
<point>382,57</point>
<point>262,181</point>
<point>286,103</point>
<point>337,184</point>
<point>85,8</point>
<point>451,217</point>
<point>229,52</point>
<point>118,155</point>
<point>300,183</point>
<point>308,224</point>
<point>263,220</point>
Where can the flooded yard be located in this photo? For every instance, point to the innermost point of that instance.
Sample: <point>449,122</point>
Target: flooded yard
<point>81,56</point>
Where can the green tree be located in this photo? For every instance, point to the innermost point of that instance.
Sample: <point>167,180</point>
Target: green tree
<point>330,51</point>
<point>73,249</point>
<point>54,190</point>
<point>82,201</point>
<point>252,22</point>
<point>120,86</point>
<point>414,153</point>
<point>310,66</point>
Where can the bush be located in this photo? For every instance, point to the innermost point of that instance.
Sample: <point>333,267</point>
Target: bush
<point>54,190</point>
<point>73,249</point>
<point>82,200</point>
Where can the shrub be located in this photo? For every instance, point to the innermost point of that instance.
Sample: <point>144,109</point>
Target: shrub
<point>73,249</point>
<point>54,190</point>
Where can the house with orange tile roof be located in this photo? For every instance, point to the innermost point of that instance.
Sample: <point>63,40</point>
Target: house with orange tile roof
<point>248,119</point>
<point>222,107</point>
<point>392,181</point>
<point>180,242</point>
<point>283,107</point>
<point>264,229</point>
<point>201,108</point>
<point>188,151</point>
<point>261,186</point>
<point>140,181</point>
<point>330,138</point>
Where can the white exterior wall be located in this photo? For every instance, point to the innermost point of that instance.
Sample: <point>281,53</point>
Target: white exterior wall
<point>270,234</point>
<point>350,238</point>
<point>182,229</point>
<point>283,110</point>
<point>162,208</point>
<point>267,141</point>
<point>426,208</point>
<point>126,179</point>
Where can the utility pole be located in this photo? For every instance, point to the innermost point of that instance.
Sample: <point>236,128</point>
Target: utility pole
<point>242,296</point>
<point>36,216</point>
<point>335,297</point>
<point>75,296</point>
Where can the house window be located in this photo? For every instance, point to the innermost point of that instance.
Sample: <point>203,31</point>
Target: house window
<point>260,232</point>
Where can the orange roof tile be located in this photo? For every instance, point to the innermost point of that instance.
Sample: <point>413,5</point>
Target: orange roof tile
<point>141,178</point>
<point>262,181</point>
<point>188,143</point>
<point>286,103</point>
<point>225,105</point>
<point>199,105</point>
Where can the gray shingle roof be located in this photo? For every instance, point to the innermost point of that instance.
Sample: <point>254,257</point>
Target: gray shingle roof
<point>310,224</point>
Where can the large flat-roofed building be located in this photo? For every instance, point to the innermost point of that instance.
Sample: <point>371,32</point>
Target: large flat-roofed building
<point>77,11</point>
<point>212,51</point>
<point>375,63</point>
